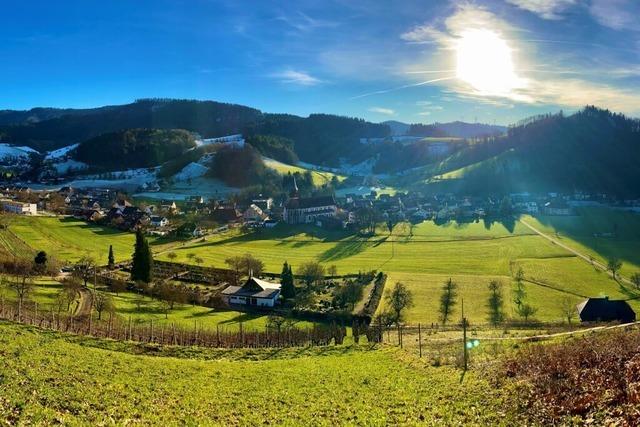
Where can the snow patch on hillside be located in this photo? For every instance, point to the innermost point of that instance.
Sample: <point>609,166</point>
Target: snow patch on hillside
<point>60,152</point>
<point>191,171</point>
<point>13,152</point>
<point>64,166</point>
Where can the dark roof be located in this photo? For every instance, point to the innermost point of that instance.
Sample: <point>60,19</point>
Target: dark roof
<point>255,288</point>
<point>310,202</point>
<point>225,214</point>
<point>605,310</point>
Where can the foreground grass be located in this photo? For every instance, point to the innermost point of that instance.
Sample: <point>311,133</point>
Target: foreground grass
<point>47,378</point>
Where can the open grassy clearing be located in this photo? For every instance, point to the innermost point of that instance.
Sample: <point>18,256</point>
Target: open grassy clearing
<point>588,232</point>
<point>426,255</point>
<point>69,239</point>
<point>422,256</point>
<point>430,249</point>
<point>319,178</point>
<point>48,379</point>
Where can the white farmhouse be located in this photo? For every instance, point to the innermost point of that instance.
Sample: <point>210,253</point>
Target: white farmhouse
<point>254,292</point>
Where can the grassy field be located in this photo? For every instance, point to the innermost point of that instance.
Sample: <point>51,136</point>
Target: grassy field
<point>423,256</point>
<point>50,378</point>
<point>70,239</point>
<point>319,178</point>
<point>587,232</point>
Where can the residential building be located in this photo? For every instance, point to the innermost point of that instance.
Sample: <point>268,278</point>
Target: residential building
<point>605,310</point>
<point>254,292</point>
<point>19,208</point>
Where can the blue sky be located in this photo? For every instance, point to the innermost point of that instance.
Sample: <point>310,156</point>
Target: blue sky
<point>376,59</point>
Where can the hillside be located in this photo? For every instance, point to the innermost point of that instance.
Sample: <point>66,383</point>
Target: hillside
<point>592,151</point>
<point>135,148</point>
<point>52,378</point>
<point>317,138</point>
<point>205,117</point>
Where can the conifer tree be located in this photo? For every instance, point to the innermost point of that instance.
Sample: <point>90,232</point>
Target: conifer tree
<point>112,260</point>
<point>288,289</point>
<point>142,259</point>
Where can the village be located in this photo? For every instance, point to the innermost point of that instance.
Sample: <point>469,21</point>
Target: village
<point>196,216</point>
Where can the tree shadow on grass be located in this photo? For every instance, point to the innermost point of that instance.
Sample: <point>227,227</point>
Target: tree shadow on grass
<point>345,249</point>
<point>244,317</point>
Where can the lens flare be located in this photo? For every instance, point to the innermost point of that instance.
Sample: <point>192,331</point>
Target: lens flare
<point>484,61</point>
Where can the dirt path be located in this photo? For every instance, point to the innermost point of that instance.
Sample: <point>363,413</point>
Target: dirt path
<point>541,336</point>
<point>84,305</point>
<point>586,258</point>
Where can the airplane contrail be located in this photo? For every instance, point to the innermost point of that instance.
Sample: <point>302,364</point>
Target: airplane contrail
<point>400,87</point>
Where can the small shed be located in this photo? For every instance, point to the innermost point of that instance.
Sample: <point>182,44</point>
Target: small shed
<point>605,310</point>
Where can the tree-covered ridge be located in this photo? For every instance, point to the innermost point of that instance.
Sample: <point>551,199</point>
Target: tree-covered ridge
<point>593,150</point>
<point>322,138</point>
<point>319,138</point>
<point>208,118</point>
<point>134,148</point>
<point>278,148</point>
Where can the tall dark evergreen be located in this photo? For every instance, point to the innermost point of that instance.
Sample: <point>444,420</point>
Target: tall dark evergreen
<point>142,259</point>
<point>288,288</point>
<point>111,260</point>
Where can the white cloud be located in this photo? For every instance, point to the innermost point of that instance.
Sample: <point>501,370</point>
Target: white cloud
<point>295,77</point>
<point>539,85</point>
<point>547,9</point>
<point>380,110</point>
<point>467,17</point>
<point>616,14</point>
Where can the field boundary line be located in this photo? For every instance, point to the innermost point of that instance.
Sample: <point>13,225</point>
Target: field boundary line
<point>586,258</point>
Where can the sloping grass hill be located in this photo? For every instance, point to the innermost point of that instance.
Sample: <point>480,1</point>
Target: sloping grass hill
<point>52,378</point>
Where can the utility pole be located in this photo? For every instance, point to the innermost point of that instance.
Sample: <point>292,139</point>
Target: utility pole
<point>420,340</point>
<point>464,338</point>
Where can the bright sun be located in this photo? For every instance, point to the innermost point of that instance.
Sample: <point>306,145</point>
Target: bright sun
<point>484,62</point>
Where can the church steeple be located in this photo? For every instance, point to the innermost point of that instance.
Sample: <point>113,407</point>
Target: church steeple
<point>294,191</point>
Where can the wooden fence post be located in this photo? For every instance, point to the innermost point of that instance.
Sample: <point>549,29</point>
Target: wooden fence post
<point>420,339</point>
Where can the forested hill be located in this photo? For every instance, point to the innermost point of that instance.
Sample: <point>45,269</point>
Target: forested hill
<point>593,150</point>
<point>134,148</point>
<point>205,117</point>
<point>319,138</point>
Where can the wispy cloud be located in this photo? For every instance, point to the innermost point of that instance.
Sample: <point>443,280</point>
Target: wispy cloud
<point>547,9</point>
<point>295,77</point>
<point>381,110</point>
<point>540,84</point>
<point>616,14</point>
<point>305,23</point>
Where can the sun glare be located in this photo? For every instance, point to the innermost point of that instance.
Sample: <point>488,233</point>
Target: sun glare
<point>485,63</point>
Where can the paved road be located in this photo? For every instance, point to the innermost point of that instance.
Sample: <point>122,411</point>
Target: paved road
<point>587,258</point>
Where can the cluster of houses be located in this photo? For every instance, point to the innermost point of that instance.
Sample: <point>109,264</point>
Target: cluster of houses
<point>108,207</point>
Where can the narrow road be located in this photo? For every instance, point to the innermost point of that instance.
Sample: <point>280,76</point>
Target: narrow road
<point>541,336</point>
<point>84,305</point>
<point>587,258</point>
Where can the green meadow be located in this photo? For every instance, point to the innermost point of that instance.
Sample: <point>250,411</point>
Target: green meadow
<point>319,178</point>
<point>51,378</point>
<point>422,256</point>
<point>69,239</point>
